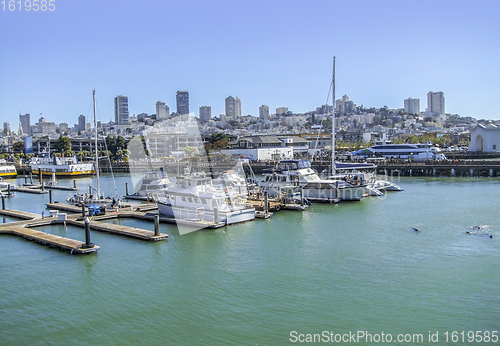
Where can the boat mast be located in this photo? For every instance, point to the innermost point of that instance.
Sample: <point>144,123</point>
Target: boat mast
<point>333,119</point>
<point>96,154</point>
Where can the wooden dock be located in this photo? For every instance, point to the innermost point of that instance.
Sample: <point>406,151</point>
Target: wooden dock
<point>34,190</point>
<point>74,246</point>
<point>127,231</point>
<point>20,214</point>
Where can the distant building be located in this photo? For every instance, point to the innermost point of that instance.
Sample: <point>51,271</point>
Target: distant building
<point>237,107</point>
<point>264,112</point>
<point>24,119</point>
<point>281,110</point>
<point>324,109</point>
<point>63,127</point>
<point>81,123</point>
<point>485,138</point>
<point>162,111</point>
<point>6,128</point>
<point>230,112</point>
<point>345,106</point>
<point>182,102</point>
<point>412,106</point>
<point>121,110</point>
<point>205,113</point>
<point>435,102</point>
<point>43,127</point>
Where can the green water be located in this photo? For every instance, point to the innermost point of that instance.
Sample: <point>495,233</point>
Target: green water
<point>349,267</point>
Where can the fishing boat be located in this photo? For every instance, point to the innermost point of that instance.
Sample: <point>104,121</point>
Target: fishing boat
<point>194,196</point>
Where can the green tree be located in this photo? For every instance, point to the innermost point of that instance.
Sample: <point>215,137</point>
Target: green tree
<point>63,145</point>
<point>18,147</point>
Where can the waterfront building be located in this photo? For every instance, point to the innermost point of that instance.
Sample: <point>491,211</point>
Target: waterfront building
<point>81,123</point>
<point>264,112</point>
<point>435,102</point>
<point>162,111</point>
<point>24,120</point>
<point>412,106</point>
<point>485,138</point>
<point>205,114</point>
<point>121,110</point>
<point>182,99</point>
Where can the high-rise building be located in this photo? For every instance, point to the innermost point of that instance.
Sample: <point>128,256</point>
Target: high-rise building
<point>121,110</point>
<point>230,106</point>
<point>237,107</point>
<point>182,102</point>
<point>205,113</point>
<point>264,112</point>
<point>162,111</point>
<point>435,102</point>
<point>6,128</point>
<point>412,106</point>
<point>81,123</point>
<point>233,107</point>
<point>24,120</point>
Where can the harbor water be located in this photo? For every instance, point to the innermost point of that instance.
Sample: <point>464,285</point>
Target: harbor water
<point>341,268</point>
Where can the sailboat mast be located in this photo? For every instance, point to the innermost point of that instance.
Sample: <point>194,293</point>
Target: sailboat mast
<point>333,119</point>
<point>96,153</point>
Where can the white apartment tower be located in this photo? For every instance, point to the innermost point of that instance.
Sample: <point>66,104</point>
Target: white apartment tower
<point>412,106</point>
<point>264,112</point>
<point>162,111</point>
<point>435,102</point>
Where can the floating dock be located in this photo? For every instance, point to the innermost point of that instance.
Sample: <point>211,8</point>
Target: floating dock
<point>35,190</point>
<point>19,214</point>
<point>127,231</point>
<point>74,246</point>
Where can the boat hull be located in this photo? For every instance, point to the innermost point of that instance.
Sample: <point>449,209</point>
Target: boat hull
<point>184,213</point>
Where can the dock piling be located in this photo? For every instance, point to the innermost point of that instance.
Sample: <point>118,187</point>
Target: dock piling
<point>87,234</point>
<point>216,215</point>
<point>157,225</point>
<point>266,202</point>
<point>25,179</point>
<point>83,210</point>
<point>43,186</point>
<point>8,190</point>
<point>74,183</point>
<point>50,196</point>
<point>302,195</point>
<point>3,202</point>
<point>126,189</point>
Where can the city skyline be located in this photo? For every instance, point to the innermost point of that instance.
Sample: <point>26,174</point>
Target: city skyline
<point>391,51</point>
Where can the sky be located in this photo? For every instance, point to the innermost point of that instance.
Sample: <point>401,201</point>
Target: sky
<point>277,53</point>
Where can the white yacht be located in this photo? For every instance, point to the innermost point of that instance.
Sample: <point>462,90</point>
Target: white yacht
<point>416,152</point>
<point>194,196</point>
<point>153,183</point>
<point>300,173</point>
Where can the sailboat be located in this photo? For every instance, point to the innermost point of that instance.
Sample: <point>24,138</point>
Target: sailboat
<point>94,196</point>
<point>357,188</point>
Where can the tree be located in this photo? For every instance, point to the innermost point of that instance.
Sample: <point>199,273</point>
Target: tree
<point>18,147</point>
<point>63,145</point>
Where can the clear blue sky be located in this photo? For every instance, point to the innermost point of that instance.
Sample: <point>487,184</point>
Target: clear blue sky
<point>277,53</point>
